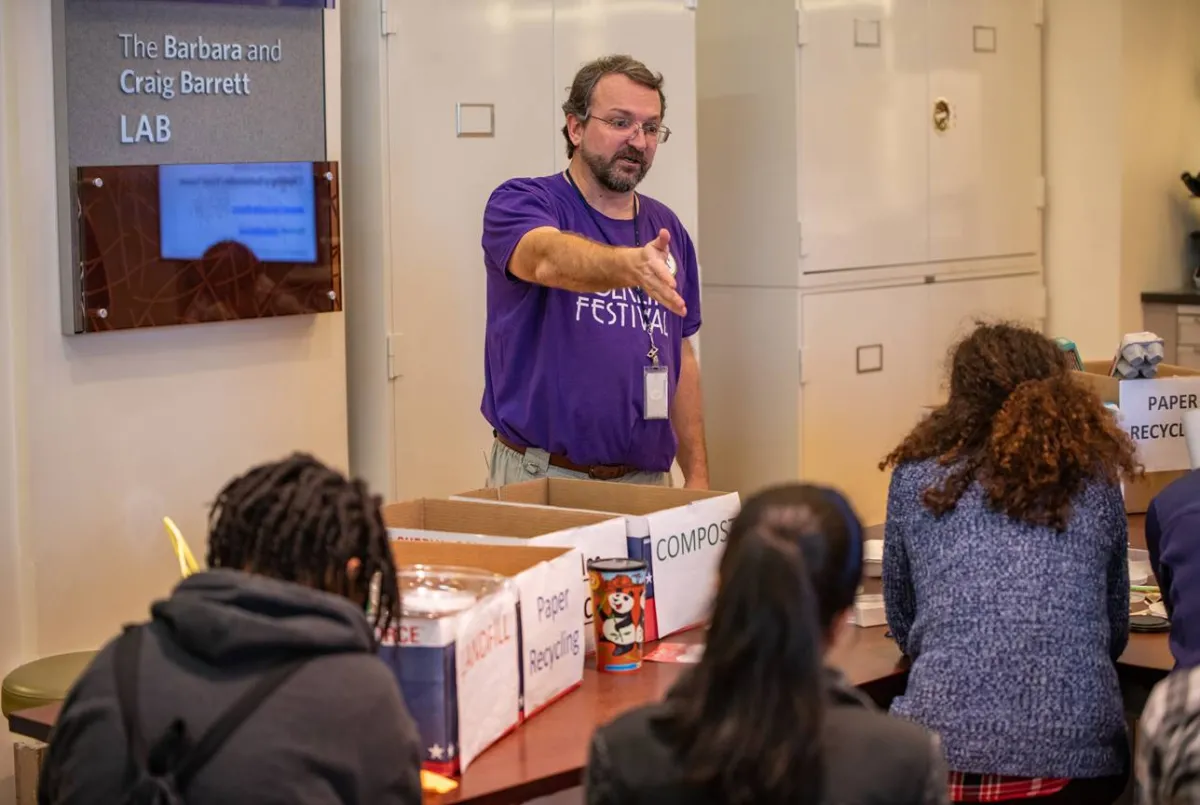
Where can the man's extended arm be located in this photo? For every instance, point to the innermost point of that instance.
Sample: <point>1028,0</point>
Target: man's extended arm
<point>687,417</point>
<point>546,256</point>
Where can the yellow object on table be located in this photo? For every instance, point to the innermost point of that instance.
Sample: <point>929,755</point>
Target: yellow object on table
<point>436,783</point>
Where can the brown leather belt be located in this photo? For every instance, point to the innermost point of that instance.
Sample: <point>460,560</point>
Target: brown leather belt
<point>600,472</point>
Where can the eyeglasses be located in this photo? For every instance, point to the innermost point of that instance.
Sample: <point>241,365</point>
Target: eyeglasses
<point>652,130</point>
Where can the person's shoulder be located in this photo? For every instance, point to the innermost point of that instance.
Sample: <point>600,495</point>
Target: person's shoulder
<point>634,751</point>
<point>544,187</point>
<point>848,720</point>
<point>1182,494</point>
<point>663,214</point>
<point>636,722</point>
<point>915,473</point>
<point>901,754</point>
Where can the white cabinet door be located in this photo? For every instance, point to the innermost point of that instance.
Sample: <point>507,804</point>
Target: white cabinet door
<point>662,34</point>
<point>865,377</point>
<point>955,307</point>
<point>489,56</point>
<point>863,134</point>
<point>985,64</point>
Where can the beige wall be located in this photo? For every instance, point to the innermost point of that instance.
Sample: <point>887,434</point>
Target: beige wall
<point>1161,139</point>
<point>1082,142</point>
<point>100,436</point>
<point>1122,112</point>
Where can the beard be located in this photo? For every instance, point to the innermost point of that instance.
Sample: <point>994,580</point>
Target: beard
<point>613,174</point>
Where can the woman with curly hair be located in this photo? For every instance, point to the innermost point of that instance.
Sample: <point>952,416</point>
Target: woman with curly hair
<point>1005,575</point>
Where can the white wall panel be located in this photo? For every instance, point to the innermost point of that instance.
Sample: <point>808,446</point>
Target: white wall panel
<point>985,60</point>
<point>863,134</point>
<point>442,54</point>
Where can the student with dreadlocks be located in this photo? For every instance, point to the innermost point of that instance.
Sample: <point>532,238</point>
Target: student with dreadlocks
<point>257,680</point>
<point>1005,575</point>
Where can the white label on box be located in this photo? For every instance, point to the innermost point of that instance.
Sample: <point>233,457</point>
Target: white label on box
<point>552,633</point>
<point>601,541</point>
<point>687,544</point>
<point>1152,414</point>
<point>604,540</point>
<point>485,658</point>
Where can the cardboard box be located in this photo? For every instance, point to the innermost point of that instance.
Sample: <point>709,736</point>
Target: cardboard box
<point>459,677</point>
<point>680,533</point>
<point>550,592</point>
<point>1152,414</point>
<point>593,533</point>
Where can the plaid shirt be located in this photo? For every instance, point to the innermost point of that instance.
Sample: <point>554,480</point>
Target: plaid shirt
<point>967,787</point>
<point>1167,764</point>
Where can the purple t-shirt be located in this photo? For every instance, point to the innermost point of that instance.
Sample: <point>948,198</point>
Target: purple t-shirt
<point>564,371</point>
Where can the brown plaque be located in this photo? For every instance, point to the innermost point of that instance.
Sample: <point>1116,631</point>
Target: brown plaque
<point>124,281</point>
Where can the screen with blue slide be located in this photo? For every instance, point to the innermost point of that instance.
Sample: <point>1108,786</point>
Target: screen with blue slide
<point>267,207</point>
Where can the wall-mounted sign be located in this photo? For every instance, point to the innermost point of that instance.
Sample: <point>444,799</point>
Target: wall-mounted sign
<point>193,153</point>
<point>278,3</point>
<point>151,82</point>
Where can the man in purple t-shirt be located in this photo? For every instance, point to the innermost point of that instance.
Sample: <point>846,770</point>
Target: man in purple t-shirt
<point>593,290</point>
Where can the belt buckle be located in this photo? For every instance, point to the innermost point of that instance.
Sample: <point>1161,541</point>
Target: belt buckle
<point>600,472</point>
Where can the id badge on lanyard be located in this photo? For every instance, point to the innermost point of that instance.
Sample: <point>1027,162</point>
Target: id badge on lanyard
<point>656,404</point>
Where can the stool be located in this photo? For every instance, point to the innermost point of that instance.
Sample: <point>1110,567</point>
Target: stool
<point>34,684</point>
<point>43,681</point>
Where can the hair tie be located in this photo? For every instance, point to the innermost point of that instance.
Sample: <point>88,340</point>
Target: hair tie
<point>854,529</point>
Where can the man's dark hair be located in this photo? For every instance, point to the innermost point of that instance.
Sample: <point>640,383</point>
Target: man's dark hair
<point>579,99</point>
<point>298,520</point>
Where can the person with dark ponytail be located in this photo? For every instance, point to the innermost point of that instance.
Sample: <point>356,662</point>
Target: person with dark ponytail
<point>760,720</point>
<point>257,680</point>
<point>1005,575</point>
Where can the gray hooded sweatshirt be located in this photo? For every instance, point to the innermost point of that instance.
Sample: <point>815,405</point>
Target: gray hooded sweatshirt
<point>337,731</point>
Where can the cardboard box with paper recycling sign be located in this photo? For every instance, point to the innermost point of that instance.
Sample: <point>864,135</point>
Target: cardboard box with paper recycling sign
<point>593,534</point>
<point>680,533</point>
<point>459,699</point>
<point>1152,414</point>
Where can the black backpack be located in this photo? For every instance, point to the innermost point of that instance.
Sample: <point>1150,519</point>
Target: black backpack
<point>162,772</point>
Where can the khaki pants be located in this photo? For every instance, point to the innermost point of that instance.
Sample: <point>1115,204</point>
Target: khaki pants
<point>510,467</point>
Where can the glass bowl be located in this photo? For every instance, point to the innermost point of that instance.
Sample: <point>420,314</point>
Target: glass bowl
<point>439,591</point>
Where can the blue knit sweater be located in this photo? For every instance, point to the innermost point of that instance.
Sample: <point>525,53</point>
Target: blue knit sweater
<point>1012,629</point>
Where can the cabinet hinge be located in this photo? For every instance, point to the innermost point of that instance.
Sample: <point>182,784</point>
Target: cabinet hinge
<point>801,25</point>
<point>393,357</point>
<point>385,21</point>
<point>800,238</point>
<point>1039,192</point>
<point>800,364</point>
<point>1039,12</point>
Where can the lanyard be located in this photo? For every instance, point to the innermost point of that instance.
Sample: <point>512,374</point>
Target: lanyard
<point>637,241</point>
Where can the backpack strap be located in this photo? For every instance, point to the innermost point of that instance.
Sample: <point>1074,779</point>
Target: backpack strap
<point>233,718</point>
<point>128,654</point>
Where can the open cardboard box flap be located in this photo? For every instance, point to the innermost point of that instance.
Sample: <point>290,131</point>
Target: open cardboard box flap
<point>505,560</point>
<point>461,517</point>
<point>596,496</point>
<point>1096,375</point>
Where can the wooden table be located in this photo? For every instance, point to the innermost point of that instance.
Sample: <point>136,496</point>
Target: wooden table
<point>547,754</point>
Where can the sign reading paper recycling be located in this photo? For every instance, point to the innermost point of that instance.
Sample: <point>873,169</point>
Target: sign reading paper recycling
<point>152,82</point>
<point>1152,414</point>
